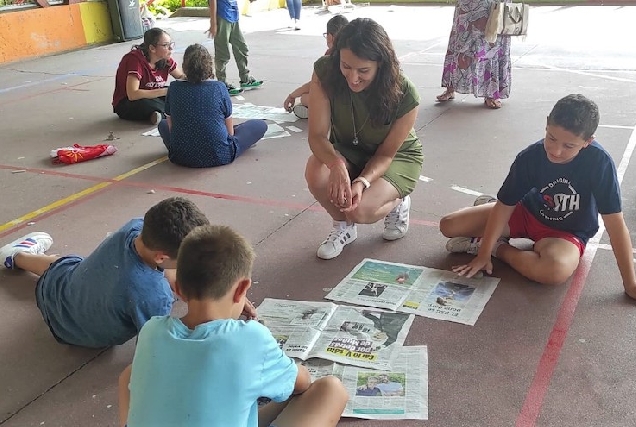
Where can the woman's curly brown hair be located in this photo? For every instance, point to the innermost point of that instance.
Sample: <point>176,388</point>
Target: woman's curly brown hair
<point>368,40</point>
<point>197,63</point>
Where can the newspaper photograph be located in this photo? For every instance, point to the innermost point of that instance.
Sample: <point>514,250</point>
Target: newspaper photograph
<point>358,336</point>
<point>399,394</point>
<point>428,292</point>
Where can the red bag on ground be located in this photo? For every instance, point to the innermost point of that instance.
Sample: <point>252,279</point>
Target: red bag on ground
<point>81,153</point>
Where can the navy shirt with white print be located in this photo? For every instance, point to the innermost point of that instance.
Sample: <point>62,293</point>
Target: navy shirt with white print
<point>567,196</point>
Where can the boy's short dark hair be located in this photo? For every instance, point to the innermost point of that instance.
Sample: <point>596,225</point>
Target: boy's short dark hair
<point>577,114</point>
<point>211,259</point>
<point>168,222</point>
<point>335,24</point>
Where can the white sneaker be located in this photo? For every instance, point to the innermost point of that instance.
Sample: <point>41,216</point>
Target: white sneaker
<point>155,118</point>
<point>341,235</point>
<point>484,199</point>
<point>469,245</point>
<point>396,223</point>
<point>301,111</point>
<point>33,243</point>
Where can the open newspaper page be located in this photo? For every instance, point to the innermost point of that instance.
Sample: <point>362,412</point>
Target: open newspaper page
<point>438,294</point>
<point>296,325</point>
<point>444,295</point>
<point>377,284</point>
<point>319,368</point>
<point>368,338</point>
<point>349,335</point>
<point>399,394</point>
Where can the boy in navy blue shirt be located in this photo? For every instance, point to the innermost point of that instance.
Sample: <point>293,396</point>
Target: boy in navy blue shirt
<point>553,194</point>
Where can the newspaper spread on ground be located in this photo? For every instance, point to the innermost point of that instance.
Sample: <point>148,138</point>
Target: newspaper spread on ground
<point>438,294</point>
<point>400,394</point>
<point>349,335</point>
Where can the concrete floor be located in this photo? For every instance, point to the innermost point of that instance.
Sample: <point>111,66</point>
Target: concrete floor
<point>537,356</point>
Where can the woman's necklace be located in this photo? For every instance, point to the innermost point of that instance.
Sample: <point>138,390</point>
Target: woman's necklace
<point>356,141</point>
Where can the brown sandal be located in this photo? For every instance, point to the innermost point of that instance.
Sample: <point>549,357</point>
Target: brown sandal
<point>448,95</point>
<point>495,104</point>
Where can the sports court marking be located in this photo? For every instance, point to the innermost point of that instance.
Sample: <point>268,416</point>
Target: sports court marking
<point>76,196</point>
<point>103,183</point>
<point>539,387</point>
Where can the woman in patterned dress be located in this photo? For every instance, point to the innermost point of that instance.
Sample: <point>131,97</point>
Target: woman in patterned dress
<point>472,65</point>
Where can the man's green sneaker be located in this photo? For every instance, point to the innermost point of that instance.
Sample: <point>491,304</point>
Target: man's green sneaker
<point>251,83</point>
<point>233,90</point>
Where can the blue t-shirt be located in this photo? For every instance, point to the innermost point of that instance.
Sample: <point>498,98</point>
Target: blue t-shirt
<point>227,9</point>
<point>105,298</point>
<point>568,196</point>
<point>209,376</point>
<point>199,137</point>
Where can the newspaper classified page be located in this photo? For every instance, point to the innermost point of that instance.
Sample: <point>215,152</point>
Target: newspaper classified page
<point>438,294</point>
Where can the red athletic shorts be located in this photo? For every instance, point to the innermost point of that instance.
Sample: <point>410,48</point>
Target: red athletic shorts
<point>524,225</point>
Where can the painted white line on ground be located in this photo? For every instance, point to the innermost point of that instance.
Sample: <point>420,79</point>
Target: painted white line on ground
<point>609,247</point>
<point>587,73</point>
<point>616,127</point>
<point>420,52</point>
<point>465,190</point>
<point>425,178</point>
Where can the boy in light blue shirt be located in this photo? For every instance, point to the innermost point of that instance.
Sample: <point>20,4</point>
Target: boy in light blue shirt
<point>209,368</point>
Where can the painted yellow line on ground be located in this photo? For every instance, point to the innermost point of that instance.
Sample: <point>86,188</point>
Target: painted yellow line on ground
<point>79,195</point>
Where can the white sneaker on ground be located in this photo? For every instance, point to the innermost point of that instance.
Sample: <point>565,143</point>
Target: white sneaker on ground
<point>469,245</point>
<point>341,235</point>
<point>155,118</point>
<point>396,223</point>
<point>483,199</point>
<point>301,111</point>
<point>34,243</point>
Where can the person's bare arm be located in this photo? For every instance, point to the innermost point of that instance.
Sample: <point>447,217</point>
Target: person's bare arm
<point>381,160</point>
<point>178,73</point>
<point>319,128</point>
<point>290,101</point>
<point>320,124</point>
<point>212,29</point>
<point>124,395</point>
<point>623,252</point>
<point>134,92</point>
<point>229,124</point>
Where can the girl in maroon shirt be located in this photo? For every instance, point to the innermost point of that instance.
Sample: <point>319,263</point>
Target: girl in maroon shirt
<point>142,76</point>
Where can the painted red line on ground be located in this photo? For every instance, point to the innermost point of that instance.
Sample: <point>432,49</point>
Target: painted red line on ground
<point>46,92</point>
<point>192,192</point>
<point>54,211</point>
<point>536,393</point>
